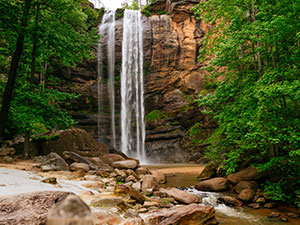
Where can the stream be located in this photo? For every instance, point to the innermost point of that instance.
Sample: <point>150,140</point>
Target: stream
<point>184,177</point>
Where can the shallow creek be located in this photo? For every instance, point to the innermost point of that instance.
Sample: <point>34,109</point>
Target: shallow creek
<point>184,176</point>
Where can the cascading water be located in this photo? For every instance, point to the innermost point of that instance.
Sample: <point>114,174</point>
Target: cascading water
<point>229,215</point>
<point>107,26</point>
<point>132,89</point>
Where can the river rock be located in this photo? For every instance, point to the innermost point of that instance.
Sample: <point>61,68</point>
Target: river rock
<point>7,151</point>
<point>130,178</point>
<point>53,162</point>
<point>131,173</point>
<point>125,164</point>
<point>122,189</point>
<point>254,205</point>
<point>207,172</point>
<point>29,208</point>
<point>270,205</point>
<point>246,195</point>
<point>134,221</point>
<point>79,166</point>
<point>180,196</point>
<point>292,215</point>
<point>72,210</point>
<point>274,215</point>
<point>248,174</point>
<point>159,176</point>
<point>110,158</point>
<point>230,201</point>
<point>192,214</point>
<point>100,164</point>
<point>8,159</point>
<point>246,185</point>
<point>214,184</point>
<point>109,202</point>
<point>103,216</point>
<point>95,185</point>
<point>149,184</point>
<point>141,171</point>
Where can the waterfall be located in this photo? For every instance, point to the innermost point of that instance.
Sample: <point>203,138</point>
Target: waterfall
<point>132,89</point>
<point>107,26</point>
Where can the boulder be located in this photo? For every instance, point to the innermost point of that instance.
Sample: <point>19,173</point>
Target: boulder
<point>207,173</point>
<point>109,202</point>
<point>248,174</point>
<point>134,221</point>
<point>100,164</point>
<point>122,189</point>
<point>75,140</point>
<point>246,185</point>
<point>159,176</point>
<point>72,210</point>
<point>180,196</point>
<point>53,162</point>
<point>8,159</point>
<point>254,205</point>
<point>7,151</point>
<point>95,185</point>
<point>214,184</point>
<point>103,216</point>
<point>192,214</point>
<point>149,184</point>
<point>141,171</point>
<point>79,166</point>
<point>125,164</point>
<point>30,208</point>
<point>270,205</point>
<point>274,215</point>
<point>110,158</point>
<point>246,195</point>
<point>230,201</point>
<point>130,178</point>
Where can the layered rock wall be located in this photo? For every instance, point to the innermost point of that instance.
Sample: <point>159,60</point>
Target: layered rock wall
<point>172,75</point>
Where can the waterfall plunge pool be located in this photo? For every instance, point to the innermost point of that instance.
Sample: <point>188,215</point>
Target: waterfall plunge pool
<point>184,176</point>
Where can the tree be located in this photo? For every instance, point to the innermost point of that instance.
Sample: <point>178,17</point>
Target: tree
<point>41,32</point>
<point>256,43</point>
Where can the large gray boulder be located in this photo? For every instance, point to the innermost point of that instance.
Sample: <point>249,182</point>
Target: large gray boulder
<point>52,162</point>
<point>214,184</point>
<point>30,208</point>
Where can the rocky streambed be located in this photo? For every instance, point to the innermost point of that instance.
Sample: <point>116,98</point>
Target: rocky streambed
<point>129,194</point>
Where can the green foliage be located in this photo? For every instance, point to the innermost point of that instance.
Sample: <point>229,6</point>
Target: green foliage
<point>156,115</point>
<point>134,5</point>
<point>64,32</point>
<point>120,13</point>
<point>163,13</point>
<point>257,103</point>
<point>39,111</point>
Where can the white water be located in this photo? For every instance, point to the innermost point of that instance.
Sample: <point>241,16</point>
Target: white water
<point>107,26</point>
<point>231,215</point>
<point>132,89</point>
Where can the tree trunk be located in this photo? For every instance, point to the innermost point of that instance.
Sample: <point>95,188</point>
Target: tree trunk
<point>257,43</point>
<point>12,74</point>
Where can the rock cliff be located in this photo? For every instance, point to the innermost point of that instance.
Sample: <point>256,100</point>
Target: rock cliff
<point>173,79</point>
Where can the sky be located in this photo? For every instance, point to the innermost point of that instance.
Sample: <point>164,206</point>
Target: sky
<point>110,4</point>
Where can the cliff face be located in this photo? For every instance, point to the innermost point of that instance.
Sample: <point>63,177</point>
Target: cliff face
<point>173,78</point>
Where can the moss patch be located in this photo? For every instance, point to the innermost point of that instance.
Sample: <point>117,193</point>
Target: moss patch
<point>156,115</point>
